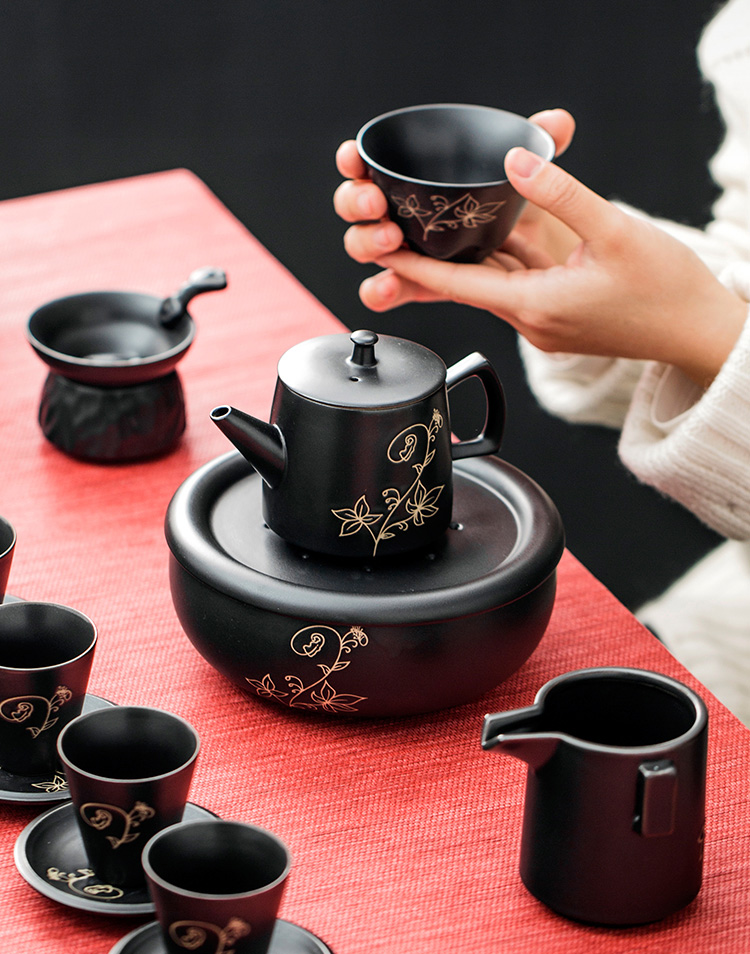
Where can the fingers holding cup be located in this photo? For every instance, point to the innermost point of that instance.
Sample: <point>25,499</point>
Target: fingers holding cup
<point>441,169</point>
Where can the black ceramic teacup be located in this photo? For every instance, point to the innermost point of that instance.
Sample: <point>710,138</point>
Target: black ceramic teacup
<point>7,547</point>
<point>615,797</point>
<point>216,885</point>
<point>129,770</point>
<point>46,652</point>
<point>441,167</point>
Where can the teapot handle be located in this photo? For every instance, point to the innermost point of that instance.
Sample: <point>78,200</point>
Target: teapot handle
<point>489,440</point>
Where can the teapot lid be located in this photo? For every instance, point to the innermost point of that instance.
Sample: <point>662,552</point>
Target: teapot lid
<point>361,370</point>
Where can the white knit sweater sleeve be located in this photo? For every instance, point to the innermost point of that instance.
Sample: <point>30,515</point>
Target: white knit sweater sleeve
<point>692,446</point>
<point>695,446</point>
<point>581,388</point>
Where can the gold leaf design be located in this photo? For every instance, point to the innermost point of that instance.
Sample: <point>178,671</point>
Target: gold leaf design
<point>353,520</point>
<point>471,213</point>
<point>409,208</point>
<point>319,694</point>
<point>419,503</point>
<point>104,815</point>
<point>467,212</point>
<point>192,935</point>
<point>327,698</point>
<point>266,687</point>
<point>57,784</point>
<point>423,504</point>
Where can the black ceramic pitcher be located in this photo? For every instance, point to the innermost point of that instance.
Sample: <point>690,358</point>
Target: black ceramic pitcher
<point>357,459</point>
<point>615,795</point>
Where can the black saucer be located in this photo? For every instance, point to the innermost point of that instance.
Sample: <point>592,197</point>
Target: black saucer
<point>49,854</point>
<point>287,938</point>
<point>30,789</point>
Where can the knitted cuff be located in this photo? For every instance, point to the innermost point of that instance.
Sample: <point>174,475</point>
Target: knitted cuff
<point>700,457</point>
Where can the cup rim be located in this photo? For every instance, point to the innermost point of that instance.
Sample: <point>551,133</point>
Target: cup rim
<point>547,155</point>
<point>658,679</point>
<point>226,822</point>
<point>19,608</point>
<point>13,535</point>
<point>99,713</point>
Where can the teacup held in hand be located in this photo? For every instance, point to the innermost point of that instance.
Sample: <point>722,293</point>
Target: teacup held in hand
<point>441,169</point>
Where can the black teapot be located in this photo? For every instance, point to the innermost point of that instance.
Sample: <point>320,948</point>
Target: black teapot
<point>357,460</point>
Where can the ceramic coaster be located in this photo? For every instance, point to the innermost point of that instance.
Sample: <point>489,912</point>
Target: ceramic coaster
<point>49,854</point>
<point>30,789</point>
<point>287,938</point>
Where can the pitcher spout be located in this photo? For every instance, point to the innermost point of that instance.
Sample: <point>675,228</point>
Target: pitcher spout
<point>259,443</point>
<point>519,733</point>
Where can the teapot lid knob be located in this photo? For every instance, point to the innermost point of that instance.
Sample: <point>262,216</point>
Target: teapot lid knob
<point>363,353</point>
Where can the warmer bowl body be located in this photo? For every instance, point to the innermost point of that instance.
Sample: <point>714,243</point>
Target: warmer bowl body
<point>433,629</point>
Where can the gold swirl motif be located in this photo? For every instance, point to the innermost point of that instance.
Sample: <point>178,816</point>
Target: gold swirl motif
<point>100,816</point>
<point>465,212</point>
<point>411,508</point>
<point>193,934</point>
<point>319,694</point>
<point>20,709</point>
<point>72,880</point>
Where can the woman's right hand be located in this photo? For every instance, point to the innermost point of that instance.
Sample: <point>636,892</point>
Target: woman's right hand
<point>627,289</point>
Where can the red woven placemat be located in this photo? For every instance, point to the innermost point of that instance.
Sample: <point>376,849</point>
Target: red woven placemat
<point>404,832</point>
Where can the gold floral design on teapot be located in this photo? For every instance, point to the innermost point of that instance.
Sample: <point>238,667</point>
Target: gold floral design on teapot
<point>414,506</point>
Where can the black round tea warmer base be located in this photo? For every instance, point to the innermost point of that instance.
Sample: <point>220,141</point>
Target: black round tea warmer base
<point>113,424</point>
<point>426,631</point>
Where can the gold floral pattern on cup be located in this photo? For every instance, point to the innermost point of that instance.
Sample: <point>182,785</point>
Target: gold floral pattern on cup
<point>465,212</point>
<point>100,816</point>
<point>20,709</point>
<point>194,934</point>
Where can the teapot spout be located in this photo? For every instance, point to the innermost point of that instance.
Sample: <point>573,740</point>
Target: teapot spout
<point>520,734</point>
<point>259,443</point>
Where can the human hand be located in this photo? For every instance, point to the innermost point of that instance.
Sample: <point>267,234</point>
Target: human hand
<point>624,289</point>
<point>359,201</point>
<point>627,289</point>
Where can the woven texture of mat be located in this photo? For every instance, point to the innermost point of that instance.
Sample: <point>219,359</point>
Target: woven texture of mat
<point>404,833</point>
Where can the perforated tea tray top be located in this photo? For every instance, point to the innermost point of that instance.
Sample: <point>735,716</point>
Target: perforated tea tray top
<point>506,539</point>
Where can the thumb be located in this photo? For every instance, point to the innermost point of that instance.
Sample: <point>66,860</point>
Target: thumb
<point>551,188</point>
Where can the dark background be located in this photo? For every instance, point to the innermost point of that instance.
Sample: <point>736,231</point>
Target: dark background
<point>255,96</point>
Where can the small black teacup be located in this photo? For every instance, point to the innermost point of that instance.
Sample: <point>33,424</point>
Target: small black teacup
<point>441,168</point>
